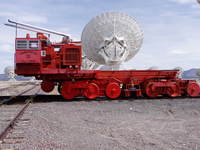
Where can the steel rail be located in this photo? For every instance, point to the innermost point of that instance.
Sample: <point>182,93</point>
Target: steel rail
<point>12,97</point>
<point>18,116</point>
<point>13,121</point>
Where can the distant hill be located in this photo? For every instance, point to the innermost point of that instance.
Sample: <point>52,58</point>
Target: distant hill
<point>4,77</point>
<point>190,74</point>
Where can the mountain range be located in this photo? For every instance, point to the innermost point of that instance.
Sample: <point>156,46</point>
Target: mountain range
<point>190,74</point>
<point>4,77</point>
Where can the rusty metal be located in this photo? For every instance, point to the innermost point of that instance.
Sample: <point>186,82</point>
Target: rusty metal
<point>13,122</point>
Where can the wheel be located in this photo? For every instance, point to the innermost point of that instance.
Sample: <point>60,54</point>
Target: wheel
<point>91,91</point>
<point>47,86</point>
<point>67,91</point>
<point>193,89</point>
<point>151,91</point>
<point>173,91</point>
<point>113,90</point>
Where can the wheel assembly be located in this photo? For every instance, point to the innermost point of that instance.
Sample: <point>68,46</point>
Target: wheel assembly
<point>68,91</point>
<point>113,90</point>
<point>91,91</point>
<point>151,91</point>
<point>173,91</point>
<point>47,86</point>
<point>193,89</point>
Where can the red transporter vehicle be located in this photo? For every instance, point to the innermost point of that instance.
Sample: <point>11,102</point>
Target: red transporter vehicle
<point>60,64</point>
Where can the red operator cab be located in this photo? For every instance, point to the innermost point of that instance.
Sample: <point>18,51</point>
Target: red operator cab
<point>28,55</point>
<point>36,56</point>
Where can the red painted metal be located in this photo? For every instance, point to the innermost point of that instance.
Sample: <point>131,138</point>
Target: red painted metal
<point>71,55</point>
<point>28,56</point>
<point>68,91</point>
<point>151,90</point>
<point>113,90</point>
<point>138,75</point>
<point>173,90</point>
<point>193,89</point>
<point>91,91</point>
<point>47,86</point>
<point>163,87</point>
<point>60,63</point>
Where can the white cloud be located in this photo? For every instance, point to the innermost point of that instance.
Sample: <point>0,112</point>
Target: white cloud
<point>6,55</point>
<point>170,41</point>
<point>69,32</point>
<point>33,18</point>
<point>6,60</point>
<point>179,52</point>
<point>8,48</point>
<point>184,1</point>
<point>24,17</point>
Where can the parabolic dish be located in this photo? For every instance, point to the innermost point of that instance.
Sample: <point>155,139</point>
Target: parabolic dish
<point>111,38</point>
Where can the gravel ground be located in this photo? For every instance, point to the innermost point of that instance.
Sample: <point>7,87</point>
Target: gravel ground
<point>7,113</point>
<point>15,136</point>
<point>119,125</point>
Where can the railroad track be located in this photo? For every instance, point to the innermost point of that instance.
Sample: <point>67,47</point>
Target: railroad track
<point>14,86</point>
<point>12,135</point>
<point>20,94</point>
<point>14,119</point>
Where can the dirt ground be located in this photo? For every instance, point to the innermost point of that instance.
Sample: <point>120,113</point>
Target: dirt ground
<point>159,124</point>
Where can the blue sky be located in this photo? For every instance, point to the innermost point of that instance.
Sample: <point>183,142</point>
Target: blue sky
<point>171,27</point>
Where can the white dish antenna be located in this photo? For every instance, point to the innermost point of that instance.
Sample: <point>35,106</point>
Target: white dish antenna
<point>111,38</point>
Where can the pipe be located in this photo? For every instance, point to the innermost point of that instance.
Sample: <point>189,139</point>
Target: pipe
<point>37,28</point>
<point>15,26</point>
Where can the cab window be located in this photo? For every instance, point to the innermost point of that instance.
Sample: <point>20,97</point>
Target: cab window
<point>21,44</point>
<point>27,44</point>
<point>33,44</point>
